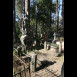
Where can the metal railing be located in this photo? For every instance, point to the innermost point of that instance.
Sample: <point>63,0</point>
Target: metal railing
<point>26,71</point>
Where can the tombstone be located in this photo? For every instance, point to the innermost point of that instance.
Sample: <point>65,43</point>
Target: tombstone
<point>54,40</point>
<point>45,45</point>
<point>54,36</point>
<point>60,48</point>
<point>33,62</point>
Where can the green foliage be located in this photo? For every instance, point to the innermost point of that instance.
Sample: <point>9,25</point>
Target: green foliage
<point>17,30</point>
<point>43,15</point>
<point>15,52</point>
<point>44,7</point>
<point>54,28</point>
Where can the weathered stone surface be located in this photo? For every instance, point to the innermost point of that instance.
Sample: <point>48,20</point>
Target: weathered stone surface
<point>54,36</point>
<point>33,62</point>
<point>60,48</point>
<point>45,45</point>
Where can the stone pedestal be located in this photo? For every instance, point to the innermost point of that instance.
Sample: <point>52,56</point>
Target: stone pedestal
<point>33,62</point>
<point>45,45</point>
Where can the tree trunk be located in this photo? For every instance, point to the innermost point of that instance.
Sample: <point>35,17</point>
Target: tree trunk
<point>50,13</point>
<point>21,18</point>
<point>62,19</point>
<point>14,28</point>
<point>27,12</point>
<point>33,2</point>
<point>58,12</point>
<point>36,21</point>
<point>57,17</point>
<point>50,18</point>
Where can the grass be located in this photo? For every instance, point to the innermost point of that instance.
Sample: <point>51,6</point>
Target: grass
<point>55,45</point>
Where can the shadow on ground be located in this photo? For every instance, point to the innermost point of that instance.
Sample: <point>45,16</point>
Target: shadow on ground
<point>61,54</point>
<point>44,64</point>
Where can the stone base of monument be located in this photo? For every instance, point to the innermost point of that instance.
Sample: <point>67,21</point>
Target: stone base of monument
<point>33,62</point>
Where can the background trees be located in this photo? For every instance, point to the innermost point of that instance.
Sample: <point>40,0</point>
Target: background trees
<point>45,18</point>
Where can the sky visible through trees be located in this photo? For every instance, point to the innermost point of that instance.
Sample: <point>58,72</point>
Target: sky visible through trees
<point>53,14</point>
<point>44,17</point>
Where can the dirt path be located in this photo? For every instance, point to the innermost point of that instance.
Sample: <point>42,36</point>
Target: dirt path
<point>52,66</point>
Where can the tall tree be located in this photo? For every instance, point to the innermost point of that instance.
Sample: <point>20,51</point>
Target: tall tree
<point>44,10</point>
<point>58,10</point>
<point>27,15</point>
<point>36,18</point>
<point>19,11</point>
<point>57,17</point>
<point>14,27</point>
<point>62,12</point>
